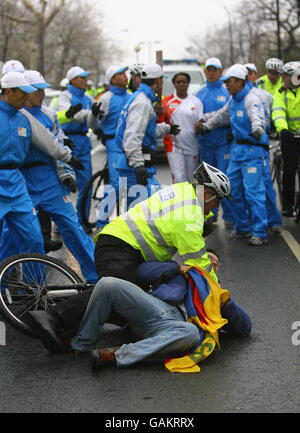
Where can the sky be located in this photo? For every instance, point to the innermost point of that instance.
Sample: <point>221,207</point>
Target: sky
<point>161,24</point>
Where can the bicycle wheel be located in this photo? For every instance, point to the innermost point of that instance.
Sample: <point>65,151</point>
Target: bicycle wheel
<point>32,281</point>
<point>95,190</point>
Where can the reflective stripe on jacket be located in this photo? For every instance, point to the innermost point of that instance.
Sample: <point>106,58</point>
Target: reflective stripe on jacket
<point>169,222</point>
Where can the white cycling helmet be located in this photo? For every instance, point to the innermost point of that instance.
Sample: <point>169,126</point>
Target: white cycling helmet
<point>290,68</point>
<point>136,68</point>
<point>274,64</point>
<point>296,76</point>
<point>214,179</point>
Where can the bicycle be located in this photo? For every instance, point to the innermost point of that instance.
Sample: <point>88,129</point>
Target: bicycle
<point>276,173</point>
<point>31,281</point>
<point>94,189</point>
<point>277,167</point>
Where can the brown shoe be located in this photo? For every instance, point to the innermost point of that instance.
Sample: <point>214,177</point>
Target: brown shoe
<point>102,358</point>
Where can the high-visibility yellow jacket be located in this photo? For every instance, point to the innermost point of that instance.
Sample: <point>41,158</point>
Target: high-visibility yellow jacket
<point>169,222</point>
<point>286,110</point>
<point>265,83</point>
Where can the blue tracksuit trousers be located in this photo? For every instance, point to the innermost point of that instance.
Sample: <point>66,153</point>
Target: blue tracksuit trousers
<point>248,189</point>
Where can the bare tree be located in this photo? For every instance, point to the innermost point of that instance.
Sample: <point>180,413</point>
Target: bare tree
<point>254,33</point>
<point>50,36</point>
<point>43,13</point>
<point>12,22</point>
<point>71,43</point>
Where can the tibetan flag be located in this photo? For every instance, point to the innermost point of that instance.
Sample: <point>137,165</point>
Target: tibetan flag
<point>203,301</point>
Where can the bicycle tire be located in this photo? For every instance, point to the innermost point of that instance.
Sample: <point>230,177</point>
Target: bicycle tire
<point>95,187</point>
<point>277,175</point>
<point>28,281</point>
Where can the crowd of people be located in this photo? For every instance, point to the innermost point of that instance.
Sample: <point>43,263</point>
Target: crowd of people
<point>217,146</point>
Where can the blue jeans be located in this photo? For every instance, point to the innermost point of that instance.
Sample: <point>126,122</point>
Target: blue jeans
<point>160,327</point>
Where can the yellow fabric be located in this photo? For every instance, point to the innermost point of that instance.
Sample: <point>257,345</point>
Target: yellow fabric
<point>265,83</point>
<point>215,299</point>
<point>176,217</point>
<point>189,363</point>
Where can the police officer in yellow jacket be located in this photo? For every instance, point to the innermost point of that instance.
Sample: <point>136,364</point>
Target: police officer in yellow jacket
<point>271,81</point>
<point>286,118</point>
<point>170,221</point>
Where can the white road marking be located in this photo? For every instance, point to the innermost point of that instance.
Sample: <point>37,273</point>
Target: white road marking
<point>292,243</point>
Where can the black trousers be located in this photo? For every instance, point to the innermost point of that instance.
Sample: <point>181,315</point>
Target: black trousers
<point>113,258</point>
<point>290,156</point>
<point>45,223</point>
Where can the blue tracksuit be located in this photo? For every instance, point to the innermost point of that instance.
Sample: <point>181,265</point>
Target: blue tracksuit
<point>47,192</point>
<point>16,209</point>
<point>214,147</point>
<point>136,128</point>
<point>245,114</point>
<point>274,217</point>
<point>112,103</point>
<point>77,132</point>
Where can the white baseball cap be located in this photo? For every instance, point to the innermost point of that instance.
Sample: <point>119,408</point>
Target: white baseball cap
<point>12,65</point>
<point>251,66</point>
<point>14,79</point>
<point>76,71</point>
<point>35,79</point>
<point>152,71</point>
<point>236,71</point>
<point>64,82</point>
<point>213,61</point>
<point>113,70</point>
